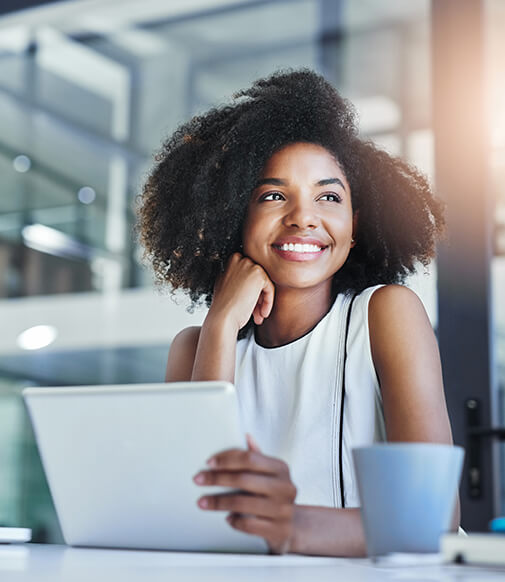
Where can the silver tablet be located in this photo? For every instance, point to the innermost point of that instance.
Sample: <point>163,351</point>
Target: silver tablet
<point>119,461</point>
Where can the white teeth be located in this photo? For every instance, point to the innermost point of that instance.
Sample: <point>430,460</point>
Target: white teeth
<point>299,248</point>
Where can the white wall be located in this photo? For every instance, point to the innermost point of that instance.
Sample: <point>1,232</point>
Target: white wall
<point>134,317</point>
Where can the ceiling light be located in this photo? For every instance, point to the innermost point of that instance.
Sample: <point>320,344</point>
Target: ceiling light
<point>22,163</point>
<point>37,337</point>
<point>86,195</point>
<point>54,242</point>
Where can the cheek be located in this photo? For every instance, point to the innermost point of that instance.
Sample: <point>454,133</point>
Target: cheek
<point>253,234</point>
<point>340,226</point>
<point>250,240</point>
<point>251,244</point>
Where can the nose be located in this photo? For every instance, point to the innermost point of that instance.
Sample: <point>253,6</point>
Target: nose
<point>301,214</point>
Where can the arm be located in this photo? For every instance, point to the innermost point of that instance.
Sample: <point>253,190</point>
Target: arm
<point>405,355</point>
<point>181,355</point>
<point>406,358</point>
<point>324,531</point>
<point>208,353</point>
<point>202,353</point>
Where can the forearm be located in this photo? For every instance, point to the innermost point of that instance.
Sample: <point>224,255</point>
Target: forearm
<point>324,531</point>
<point>215,353</point>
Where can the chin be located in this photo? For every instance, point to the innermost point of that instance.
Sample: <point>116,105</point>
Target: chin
<point>295,283</point>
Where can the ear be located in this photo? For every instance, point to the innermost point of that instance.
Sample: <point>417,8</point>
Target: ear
<point>355,220</point>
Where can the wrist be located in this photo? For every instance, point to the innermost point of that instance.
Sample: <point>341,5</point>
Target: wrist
<point>221,323</point>
<point>215,353</point>
<point>294,542</point>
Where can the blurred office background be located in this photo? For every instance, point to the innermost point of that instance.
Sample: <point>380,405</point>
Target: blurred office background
<point>89,88</point>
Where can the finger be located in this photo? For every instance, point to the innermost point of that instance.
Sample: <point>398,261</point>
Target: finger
<point>258,318</point>
<point>233,259</point>
<point>254,483</point>
<point>267,299</point>
<point>257,307</point>
<point>259,526</point>
<point>252,444</point>
<point>247,504</point>
<point>247,460</point>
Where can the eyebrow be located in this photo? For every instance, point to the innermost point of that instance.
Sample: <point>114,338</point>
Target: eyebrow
<point>279,182</point>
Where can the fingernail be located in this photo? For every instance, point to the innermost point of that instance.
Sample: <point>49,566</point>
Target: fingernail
<point>199,478</point>
<point>212,462</point>
<point>203,503</point>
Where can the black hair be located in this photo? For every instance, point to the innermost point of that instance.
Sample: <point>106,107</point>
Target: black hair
<point>194,202</point>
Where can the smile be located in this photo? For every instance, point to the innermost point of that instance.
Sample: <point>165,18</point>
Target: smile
<point>299,248</point>
<point>298,252</point>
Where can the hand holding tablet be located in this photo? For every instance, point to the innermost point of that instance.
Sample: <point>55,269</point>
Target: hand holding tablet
<point>119,461</point>
<point>264,502</point>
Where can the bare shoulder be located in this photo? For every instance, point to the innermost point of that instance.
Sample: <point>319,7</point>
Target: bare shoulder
<point>395,310</point>
<point>406,358</point>
<point>182,355</point>
<point>392,301</point>
<point>399,327</point>
<point>187,336</point>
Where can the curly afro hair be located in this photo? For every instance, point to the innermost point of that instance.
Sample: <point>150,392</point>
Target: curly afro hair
<point>194,202</point>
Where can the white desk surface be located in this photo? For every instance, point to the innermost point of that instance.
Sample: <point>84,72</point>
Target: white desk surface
<point>30,562</point>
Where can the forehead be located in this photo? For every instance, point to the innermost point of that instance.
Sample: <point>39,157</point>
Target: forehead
<point>303,158</point>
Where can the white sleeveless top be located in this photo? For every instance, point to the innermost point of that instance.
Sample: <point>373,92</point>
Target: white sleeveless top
<point>289,400</point>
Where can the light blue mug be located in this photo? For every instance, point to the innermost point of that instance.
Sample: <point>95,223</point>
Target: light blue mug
<point>408,493</point>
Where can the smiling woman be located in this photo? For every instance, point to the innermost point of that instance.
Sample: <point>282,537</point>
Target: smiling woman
<point>208,169</point>
<point>299,212</point>
<point>295,231</point>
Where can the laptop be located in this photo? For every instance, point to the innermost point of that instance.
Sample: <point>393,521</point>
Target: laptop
<point>120,460</point>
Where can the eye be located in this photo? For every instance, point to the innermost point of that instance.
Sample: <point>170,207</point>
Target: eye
<point>330,197</point>
<point>272,196</point>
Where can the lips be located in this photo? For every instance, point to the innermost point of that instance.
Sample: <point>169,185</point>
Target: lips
<point>299,240</point>
<point>299,248</point>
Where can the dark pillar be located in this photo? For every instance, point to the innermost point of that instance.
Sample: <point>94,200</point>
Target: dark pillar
<point>464,328</point>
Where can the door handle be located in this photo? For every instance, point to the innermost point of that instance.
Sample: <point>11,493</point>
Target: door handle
<point>475,433</point>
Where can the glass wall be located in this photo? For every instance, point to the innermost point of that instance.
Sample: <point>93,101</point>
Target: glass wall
<point>83,111</point>
<point>83,106</point>
<point>24,495</point>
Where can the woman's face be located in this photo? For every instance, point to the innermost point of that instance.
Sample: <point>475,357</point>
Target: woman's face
<point>299,222</point>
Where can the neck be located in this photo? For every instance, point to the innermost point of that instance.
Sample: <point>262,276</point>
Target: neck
<point>295,312</point>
